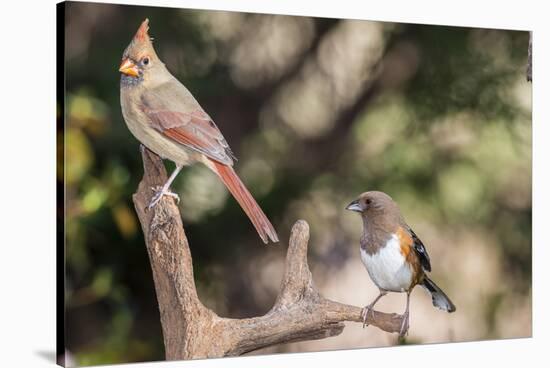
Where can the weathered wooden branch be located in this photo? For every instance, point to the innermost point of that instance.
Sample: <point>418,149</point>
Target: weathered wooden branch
<point>191,330</point>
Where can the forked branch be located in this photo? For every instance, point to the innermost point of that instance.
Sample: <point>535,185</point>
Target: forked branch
<point>191,330</point>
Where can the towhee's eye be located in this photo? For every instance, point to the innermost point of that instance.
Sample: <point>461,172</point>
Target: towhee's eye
<point>145,61</point>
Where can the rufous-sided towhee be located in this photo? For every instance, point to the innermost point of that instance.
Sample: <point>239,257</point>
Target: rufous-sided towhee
<point>394,256</point>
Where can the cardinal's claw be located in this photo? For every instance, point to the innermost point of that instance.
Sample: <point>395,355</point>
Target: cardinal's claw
<point>159,193</point>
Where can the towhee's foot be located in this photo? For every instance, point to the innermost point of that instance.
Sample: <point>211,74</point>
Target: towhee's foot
<point>366,311</point>
<point>404,325</point>
<point>159,193</point>
<point>364,314</point>
<point>369,308</point>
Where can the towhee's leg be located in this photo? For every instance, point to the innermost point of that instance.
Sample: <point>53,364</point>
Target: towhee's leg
<point>369,307</point>
<point>405,318</point>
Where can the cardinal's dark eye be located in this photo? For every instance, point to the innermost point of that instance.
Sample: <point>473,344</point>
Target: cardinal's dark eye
<point>145,61</point>
<point>368,201</point>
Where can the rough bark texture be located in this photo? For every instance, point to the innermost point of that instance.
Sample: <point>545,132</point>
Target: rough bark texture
<point>191,330</point>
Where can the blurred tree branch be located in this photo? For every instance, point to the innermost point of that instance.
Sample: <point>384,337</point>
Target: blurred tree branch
<point>191,330</point>
<point>530,58</point>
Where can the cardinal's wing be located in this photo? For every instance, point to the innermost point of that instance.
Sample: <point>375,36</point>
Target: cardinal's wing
<point>176,114</point>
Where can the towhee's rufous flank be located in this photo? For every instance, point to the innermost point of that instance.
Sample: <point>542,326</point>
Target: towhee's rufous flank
<point>394,256</point>
<point>165,117</point>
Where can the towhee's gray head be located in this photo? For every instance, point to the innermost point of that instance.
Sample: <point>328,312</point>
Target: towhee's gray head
<point>375,205</point>
<point>372,201</point>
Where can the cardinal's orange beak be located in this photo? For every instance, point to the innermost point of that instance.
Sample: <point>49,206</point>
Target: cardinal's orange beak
<point>129,68</point>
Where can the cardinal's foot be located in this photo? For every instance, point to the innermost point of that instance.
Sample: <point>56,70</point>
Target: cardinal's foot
<point>159,193</point>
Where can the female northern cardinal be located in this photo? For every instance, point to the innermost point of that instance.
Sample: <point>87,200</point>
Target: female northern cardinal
<point>165,117</point>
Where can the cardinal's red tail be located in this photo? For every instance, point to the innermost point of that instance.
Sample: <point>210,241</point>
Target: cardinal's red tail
<point>247,202</point>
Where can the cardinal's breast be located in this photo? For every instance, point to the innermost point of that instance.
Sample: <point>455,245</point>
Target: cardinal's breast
<point>140,126</point>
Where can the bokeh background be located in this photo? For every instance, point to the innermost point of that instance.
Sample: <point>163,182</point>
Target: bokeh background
<point>317,111</point>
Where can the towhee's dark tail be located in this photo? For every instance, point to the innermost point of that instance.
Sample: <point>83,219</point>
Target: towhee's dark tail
<point>439,298</point>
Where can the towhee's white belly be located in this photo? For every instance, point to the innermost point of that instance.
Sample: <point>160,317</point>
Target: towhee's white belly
<point>387,268</point>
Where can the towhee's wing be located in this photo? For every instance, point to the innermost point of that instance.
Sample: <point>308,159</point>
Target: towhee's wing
<point>172,111</point>
<point>421,251</point>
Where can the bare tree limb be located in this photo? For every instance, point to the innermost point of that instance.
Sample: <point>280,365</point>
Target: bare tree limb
<point>191,330</point>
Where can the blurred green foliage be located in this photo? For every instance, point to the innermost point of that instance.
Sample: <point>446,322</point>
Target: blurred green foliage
<point>441,120</point>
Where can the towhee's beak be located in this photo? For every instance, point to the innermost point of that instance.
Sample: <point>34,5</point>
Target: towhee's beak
<point>354,206</point>
<point>128,67</point>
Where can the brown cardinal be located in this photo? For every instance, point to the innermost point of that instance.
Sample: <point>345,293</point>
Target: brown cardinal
<point>165,117</point>
<point>394,256</point>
